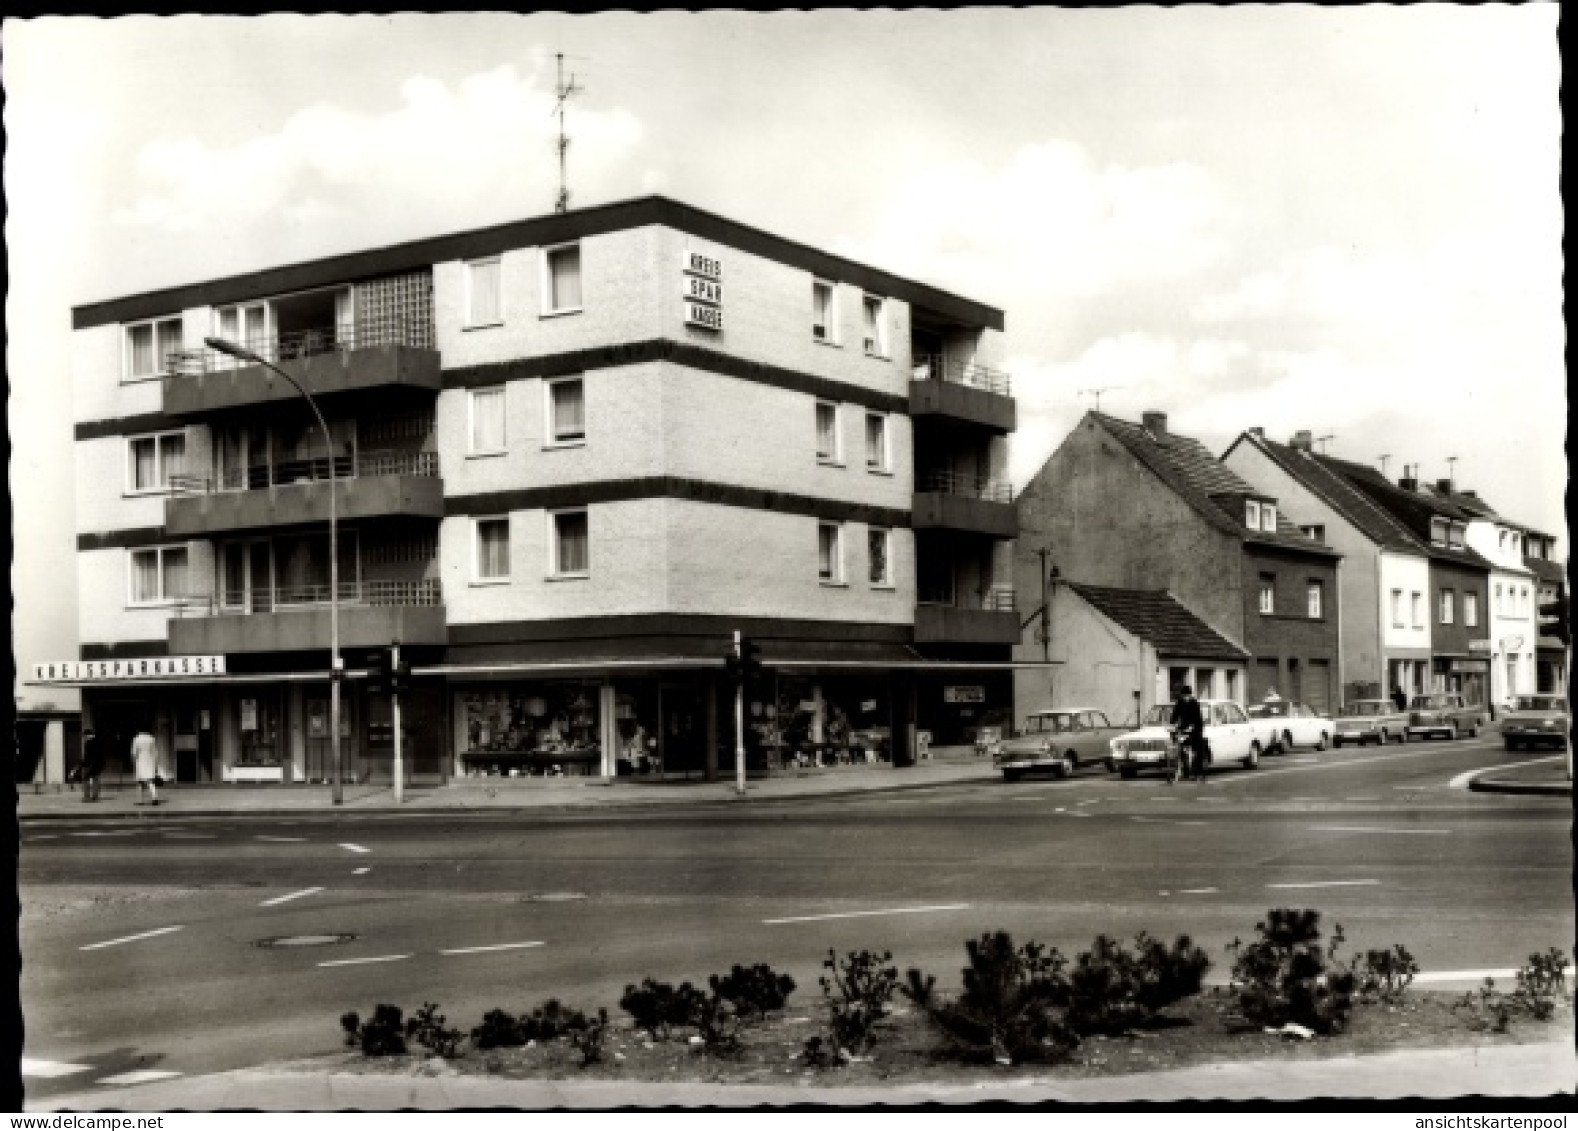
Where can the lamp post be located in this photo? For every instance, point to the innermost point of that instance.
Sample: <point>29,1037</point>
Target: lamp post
<point>336,669</point>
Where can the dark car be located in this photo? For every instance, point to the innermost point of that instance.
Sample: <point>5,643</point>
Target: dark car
<point>1446,715</point>
<point>1536,720</point>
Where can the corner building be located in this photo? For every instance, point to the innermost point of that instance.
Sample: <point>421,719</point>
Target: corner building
<point>573,455</point>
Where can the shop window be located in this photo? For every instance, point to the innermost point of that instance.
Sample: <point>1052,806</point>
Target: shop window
<point>880,543</point>
<point>824,313</point>
<point>1447,610</point>
<point>876,442</point>
<point>827,432</point>
<point>532,729</point>
<point>149,346</point>
<point>829,545</point>
<point>154,461</point>
<point>571,544</point>
<point>562,285</point>
<point>493,549</point>
<point>484,293</point>
<point>566,410</point>
<point>1268,594</point>
<point>876,339</point>
<point>487,421</point>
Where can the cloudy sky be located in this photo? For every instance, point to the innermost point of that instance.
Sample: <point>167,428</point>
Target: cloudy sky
<point>1346,220</point>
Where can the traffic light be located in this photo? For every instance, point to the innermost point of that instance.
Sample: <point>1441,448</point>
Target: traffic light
<point>750,661</point>
<point>1559,626</point>
<point>378,672</point>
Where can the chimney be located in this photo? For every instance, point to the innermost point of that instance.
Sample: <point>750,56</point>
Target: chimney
<point>1410,479</point>
<point>1444,486</point>
<point>1155,423</point>
<point>1258,433</point>
<point>1303,440</point>
<point>1470,494</point>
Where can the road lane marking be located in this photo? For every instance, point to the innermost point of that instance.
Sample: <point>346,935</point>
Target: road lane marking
<point>1462,780</point>
<point>1329,884</point>
<point>116,832</point>
<point>360,871</point>
<point>1462,975</point>
<point>1303,761</point>
<point>1361,798</point>
<point>864,914</point>
<point>284,839</point>
<point>140,1076</point>
<point>291,896</point>
<point>355,848</point>
<point>1198,891</point>
<point>189,836</point>
<point>1376,829</point>
<point>46,836</point>
<point>1164,821</point>
<point>484,949</point>
<point>129,938</point>
<point>49,1069</point>
<point>363,961</point>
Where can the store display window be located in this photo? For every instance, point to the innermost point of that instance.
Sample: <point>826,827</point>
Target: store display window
<point>548,729</point>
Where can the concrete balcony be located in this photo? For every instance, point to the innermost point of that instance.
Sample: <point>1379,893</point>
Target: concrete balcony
<point>383,485</point>
<point>372,614</point>
<point>969,393</point>
<point>993,620</point>
<point>952,502</point>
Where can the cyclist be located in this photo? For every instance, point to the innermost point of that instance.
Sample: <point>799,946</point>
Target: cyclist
<point>1189,732</point>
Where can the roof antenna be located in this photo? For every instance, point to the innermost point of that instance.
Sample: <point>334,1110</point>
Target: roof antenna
<point>1452,474</point>
<point>1383,460</point>
<point>563,91</point>
<point>1323,439</point>
<point>1097,393</point>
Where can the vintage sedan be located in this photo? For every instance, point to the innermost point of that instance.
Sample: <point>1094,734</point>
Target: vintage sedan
<point>1536,720</point>
<point>1058,741</point>
<point>1371,720</point>
<point>1446,715</point>
<point>1295,723</point>
<point>1232,734</point>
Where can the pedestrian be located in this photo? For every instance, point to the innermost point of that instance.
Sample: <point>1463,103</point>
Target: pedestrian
<point>92,764</point>
<point>1189,726</point>
<point>145,763</point>
<point>1399,700</point>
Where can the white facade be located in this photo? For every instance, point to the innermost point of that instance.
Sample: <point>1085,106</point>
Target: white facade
<point>1514,608</point>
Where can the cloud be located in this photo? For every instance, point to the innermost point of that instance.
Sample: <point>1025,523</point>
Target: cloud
<point>489,138</point>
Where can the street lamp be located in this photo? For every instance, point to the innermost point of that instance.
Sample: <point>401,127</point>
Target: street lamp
<point>336,669</point>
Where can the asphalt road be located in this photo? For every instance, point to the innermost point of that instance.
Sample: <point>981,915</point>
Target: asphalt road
<point>141,941</point>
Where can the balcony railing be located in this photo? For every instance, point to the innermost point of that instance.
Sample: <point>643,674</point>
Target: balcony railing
<point>996,599</point>
<point>261,476</point>
<point>353,594</point>
<point>396,330</point>
<point>967,486</point>
<point>935,368</point>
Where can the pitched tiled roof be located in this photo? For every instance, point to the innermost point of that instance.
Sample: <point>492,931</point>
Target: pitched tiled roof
<point>1158,617</point>
<point>1413,509</point>
<point>1189,468</point>
<point>1546,570</point>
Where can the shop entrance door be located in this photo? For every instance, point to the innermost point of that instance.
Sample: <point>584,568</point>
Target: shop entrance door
<point>682,731</point>
<point>186,761</point>
<point>320,756</point>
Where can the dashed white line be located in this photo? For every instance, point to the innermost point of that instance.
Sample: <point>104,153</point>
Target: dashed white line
<point>1462,975</point>
<point>45,836</point>
<point>110,832</point>
<point>1198,891</point>
<point>484,949</point>
<point>864,914</point>
<point>129,938</point>
<point>140,1076</point>
<point>363,961</point>
<point>360,871</point>
<point>291,896</point>
<point>1361,798</point>
<point>1329,884</point>
<point>49,1069</point>
<point>354,848</point>
<point>284,839</point>
<point>190,836</point>
<point>1164,821</point>
<point>1368,829</point>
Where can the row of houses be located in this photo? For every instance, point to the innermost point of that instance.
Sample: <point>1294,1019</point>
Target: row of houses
<point>561,462</point>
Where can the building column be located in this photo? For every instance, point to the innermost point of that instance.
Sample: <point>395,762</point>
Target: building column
<point>606,706</point>
<point>710,759</point>
<point>53,763</point>
<point>296,734</point>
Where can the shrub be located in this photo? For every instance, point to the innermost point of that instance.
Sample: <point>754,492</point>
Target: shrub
<point>753,990</point>
<point>718,1024</point>
<point>1112,991</point>
<point>590,1037</point>
<point>1284,975</point>
<point>550,1021</point>
<point>427,1028</point>
<point>498,1030</point>
<point>380,1035</point>
<point>1012,1006</point>
<point>1539,983</point>
<point>659,1008</point>
<point>858,990</point>
<point>1384,975</point>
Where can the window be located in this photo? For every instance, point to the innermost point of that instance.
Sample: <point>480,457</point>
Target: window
<point>148,347</point>
<point>827,432</point>
<point>1471,609</point>
<point>1268,593</point>
<point>1416,605</point>
<point>876,340</point>
<point>1501,606</point>
<point>562,286</point>
<point>158,575</point>
<point>824,314</point>
<point>572,556</point>
<point>1455,535</point>
<point>152,461</point>
<point>567,411</point>
<point>1397,608</point>
<point>487,421</point>
<point>1315,533</point>
<point>1252,514</point>
<point>246,325</point>
<point>1438,531</point>
<point>829,553</point>
<point>1268,517</point>
<point>1447,610</point>
<point>876,442</point>
<point>1315,591</point>
<point>879,542</point>
<point>493,549</point>
<point>484,294</point>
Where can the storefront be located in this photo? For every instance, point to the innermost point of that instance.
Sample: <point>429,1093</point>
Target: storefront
<point>1462,675</point>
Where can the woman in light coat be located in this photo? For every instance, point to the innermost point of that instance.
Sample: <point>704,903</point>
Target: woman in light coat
<point>145,763</point>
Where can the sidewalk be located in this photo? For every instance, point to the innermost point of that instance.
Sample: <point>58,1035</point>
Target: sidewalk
<point>1499,1070</point>
<point>477,794</point>
<point>1539,776</point>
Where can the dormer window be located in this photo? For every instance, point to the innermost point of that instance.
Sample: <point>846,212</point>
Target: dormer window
<point>1438,531</point>
<point>1252,514</point>
<point>1268,517</point>
<point>1455,535</point>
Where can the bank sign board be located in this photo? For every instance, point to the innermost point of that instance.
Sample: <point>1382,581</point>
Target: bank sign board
<point>701,283</point>
<point>108,671</point>
<point>964,694</point>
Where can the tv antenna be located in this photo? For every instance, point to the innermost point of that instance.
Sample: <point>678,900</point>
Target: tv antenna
<point>1452,471</point>
<point>563,91</point>
<point>1324,439</point>
<point>1097,393</point>
<point>1383,460</point>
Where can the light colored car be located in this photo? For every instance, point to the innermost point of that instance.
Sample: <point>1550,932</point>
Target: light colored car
<point>1296,724</point>
<point>1535,720</point>
<point>1057,741</point>
<point>1446,715</point>
<point>1371,720</point>
<point>1232,734</point>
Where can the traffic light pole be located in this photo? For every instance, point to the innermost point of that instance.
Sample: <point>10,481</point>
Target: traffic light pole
<point>394,699</point>
<point>739,726</point>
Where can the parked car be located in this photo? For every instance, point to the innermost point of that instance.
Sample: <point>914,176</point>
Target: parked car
<point>1446,715</point>
<point>1371,720</point>
<point>1296,724</point>
<point>1232,734</point>
<point>1059,741</point>
<point>989,732</point>
<point>1535,720</point>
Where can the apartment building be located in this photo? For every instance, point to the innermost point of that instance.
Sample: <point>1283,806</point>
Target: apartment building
<point>571,456</point>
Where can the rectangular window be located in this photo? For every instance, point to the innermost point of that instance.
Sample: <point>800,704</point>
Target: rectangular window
<point>879,542</point>
<point>1455,536</point>
<point>829,561</point>
<point>1315,591</point>
<point>876,341</point>
<point>1397,608</point>
<point>823,315</point>
<point>572,556</point>
<point>1501,606</point>
<point>1416,604</point>
<point>487,420</point>
<point>148,347</point>
<point>1315,533</point>
<point>566,410</point>
<point>1471,609</point>
<point>1438,531</point>
<point>1447,610</point>
<point>1252,514</point>
<point>493,549</point>
<point>484,294</point>
<point>1268,517</point>
<point>876,442</point>
<point>152,461</point>
<point>826,432</point>
<point>158,574</point>
<point>563,289</point>
<point>1268,593</point>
